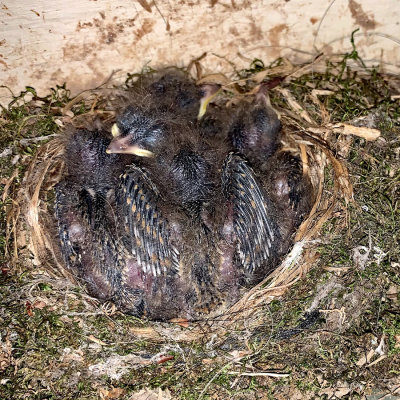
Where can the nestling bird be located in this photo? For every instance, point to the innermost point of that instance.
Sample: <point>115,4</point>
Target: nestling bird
<point>87,215</point>
<point>256,134</point>
<point>170,90</point>
<point>170,149</point>
<point>181,176</point>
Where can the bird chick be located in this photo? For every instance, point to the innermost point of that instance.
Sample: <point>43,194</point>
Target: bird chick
<point>170,150</point>
<point>165,197</point>
<point>170,90</point>
<point>256,135</point>
<point>256,129</point>
<point>266,187</point>
<point>86,214</point>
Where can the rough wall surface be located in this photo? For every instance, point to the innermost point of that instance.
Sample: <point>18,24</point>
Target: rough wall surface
<point>48,42</point>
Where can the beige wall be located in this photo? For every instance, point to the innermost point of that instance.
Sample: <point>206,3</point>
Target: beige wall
<point>46,42</point>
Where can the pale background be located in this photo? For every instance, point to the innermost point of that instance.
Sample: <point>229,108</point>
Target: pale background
<point>48,42</point>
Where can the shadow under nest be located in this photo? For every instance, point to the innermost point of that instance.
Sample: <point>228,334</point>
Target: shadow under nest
<point>32,215</point>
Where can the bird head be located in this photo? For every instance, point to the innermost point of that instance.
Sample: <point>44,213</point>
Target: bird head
<point>136,132</point>
<point>256,130</point>
<point>175,92</point>
<point>87,163</point>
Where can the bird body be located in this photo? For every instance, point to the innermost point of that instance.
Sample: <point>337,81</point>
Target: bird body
<point>86,212</point>
<point>255,132</point>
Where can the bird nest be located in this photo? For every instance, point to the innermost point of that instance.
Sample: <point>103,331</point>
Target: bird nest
<point>320,144</point>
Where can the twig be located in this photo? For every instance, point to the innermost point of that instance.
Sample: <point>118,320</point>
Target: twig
<point>214,377</point>
<point>270,374</point>
<point>320,23</point>
<point>26,119</point>
<point>25,142</point>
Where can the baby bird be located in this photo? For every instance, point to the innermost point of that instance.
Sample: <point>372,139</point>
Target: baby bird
<point>171,151</point>
<point>256,134</point>
<point>179,176</point>
<point>86,213</point>
<point>170,90</point>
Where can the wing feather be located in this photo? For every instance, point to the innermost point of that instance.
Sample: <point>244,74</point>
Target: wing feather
<point>149,232</point>
<point>253,221</point>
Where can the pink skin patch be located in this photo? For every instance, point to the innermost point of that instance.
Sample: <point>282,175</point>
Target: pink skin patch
<point>282,187</point>
<point>227,248</point>
<point>75,232</point>
<point>136,278</point>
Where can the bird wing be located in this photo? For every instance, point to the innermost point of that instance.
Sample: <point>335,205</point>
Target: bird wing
<point>252,215</point>
<point>85,230</point>
<point>91,246</point>
<point>65,217</point>
<point>149,232</point>
<point>293,168</point>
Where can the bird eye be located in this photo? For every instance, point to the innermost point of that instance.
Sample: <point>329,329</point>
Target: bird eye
<point>115,130</point>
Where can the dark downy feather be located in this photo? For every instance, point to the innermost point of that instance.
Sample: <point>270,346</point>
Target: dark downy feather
<point>253,219</point>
